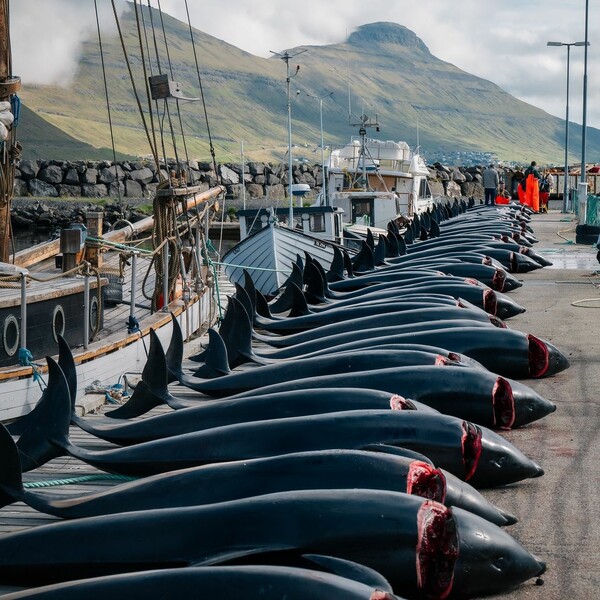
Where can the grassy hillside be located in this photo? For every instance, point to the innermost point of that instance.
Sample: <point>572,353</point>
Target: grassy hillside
<point>387,67</point>
<point>41,139</point>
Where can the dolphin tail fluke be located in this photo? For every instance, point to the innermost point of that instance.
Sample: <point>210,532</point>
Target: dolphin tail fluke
<point>364,261</point>
<point>215,359</point>
<point>350,570</point>
<point>174,354</point>
<point>238,340</point>
<point>155,379</point>
<point>380,252</point>
<point>47,435</point>
<point>142,400</point>
<point>67,364</point>
<point>299,305</point>
<point>315,286</point>
<point>283,302</point>
<point>262,306</point>
<point>11,483</point>
<point>336,270</point>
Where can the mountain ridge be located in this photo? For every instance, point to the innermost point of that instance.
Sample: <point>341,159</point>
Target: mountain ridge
<point>387,67</point>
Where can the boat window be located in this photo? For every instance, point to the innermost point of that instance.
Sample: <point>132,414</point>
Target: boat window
<point>317,222</point>
<point>424,191</point>
<point>94,316</point>
<point>362,211</point>
<point>58,322</point>
<point>11,335</point>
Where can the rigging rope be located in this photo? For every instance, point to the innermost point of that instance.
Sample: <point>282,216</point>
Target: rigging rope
<point>135,92</point>
<point>162,132</point>
<point>137,18</point>
<point>110,125</point>
<point>212,148</point>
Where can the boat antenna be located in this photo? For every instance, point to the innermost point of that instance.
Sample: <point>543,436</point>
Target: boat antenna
<point>285,57</point>
<point>363,152</point>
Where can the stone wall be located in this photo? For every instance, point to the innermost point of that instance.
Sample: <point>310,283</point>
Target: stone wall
<point>39,181</point>
<point>85,179</point>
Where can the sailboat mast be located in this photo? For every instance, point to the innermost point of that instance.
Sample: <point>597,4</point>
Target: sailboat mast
<point>9,85</point>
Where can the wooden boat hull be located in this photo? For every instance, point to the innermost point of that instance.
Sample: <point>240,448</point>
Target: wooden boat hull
<point>107,360</point>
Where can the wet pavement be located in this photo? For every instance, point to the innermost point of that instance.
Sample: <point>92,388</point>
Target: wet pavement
<point>558,513</point>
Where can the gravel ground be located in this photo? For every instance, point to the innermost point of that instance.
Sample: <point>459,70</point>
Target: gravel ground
<point>557,514</point>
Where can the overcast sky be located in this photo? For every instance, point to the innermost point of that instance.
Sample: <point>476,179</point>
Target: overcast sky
<point>502,41</point>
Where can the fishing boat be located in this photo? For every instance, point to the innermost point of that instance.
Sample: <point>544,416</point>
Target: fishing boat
<point>369,183</point>
<point>102,293</point>
<point>374,181</point>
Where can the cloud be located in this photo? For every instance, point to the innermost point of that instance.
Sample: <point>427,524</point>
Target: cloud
<point>504,42</point>
<point>46,50</point>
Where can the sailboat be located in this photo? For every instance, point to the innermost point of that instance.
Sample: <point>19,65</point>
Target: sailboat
<point>91,289</point>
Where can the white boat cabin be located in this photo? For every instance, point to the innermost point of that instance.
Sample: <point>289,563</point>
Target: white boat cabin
<point>376,181</point>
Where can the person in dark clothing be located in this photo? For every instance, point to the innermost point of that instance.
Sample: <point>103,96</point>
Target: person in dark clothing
<point>532,170</point>
<point>490,180</point>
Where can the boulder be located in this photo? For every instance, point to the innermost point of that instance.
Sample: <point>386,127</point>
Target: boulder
<point>92,190</point>
<point>133,189</point>
<point>69,191</point>
<point>256,168</point>
<point>228,176</point>
<point>51,174</point>
<point>41,188</point>
<point>29,168</point>
<point>20,188</point>
<point>275,192</point>
<point>255,190</point>
<point>114,191</point>
<point>71,176</point>
<point>109,174</point>
<point>144,175</point>
<point>89,176</point>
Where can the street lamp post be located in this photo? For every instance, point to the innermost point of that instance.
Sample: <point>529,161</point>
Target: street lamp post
<point>285,57</point>
<point>320,99</point>
<point>566,182</point>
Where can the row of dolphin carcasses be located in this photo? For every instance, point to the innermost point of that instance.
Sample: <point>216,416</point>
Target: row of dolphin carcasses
<point>345,461</point>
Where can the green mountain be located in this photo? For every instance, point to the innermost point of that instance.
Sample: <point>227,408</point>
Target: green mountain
<point>387,68</point>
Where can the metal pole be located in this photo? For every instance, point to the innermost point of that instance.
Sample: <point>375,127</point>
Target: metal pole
<point>23,311</point>
<point>197,255</point>
<point>566,182</point>
<point>243,181</point>
<point>289,117</point>
<point>165,276</point>
<point>583,177</point>
<point>134,258</point>
<point>323,153</point>
<point>86,311</point>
